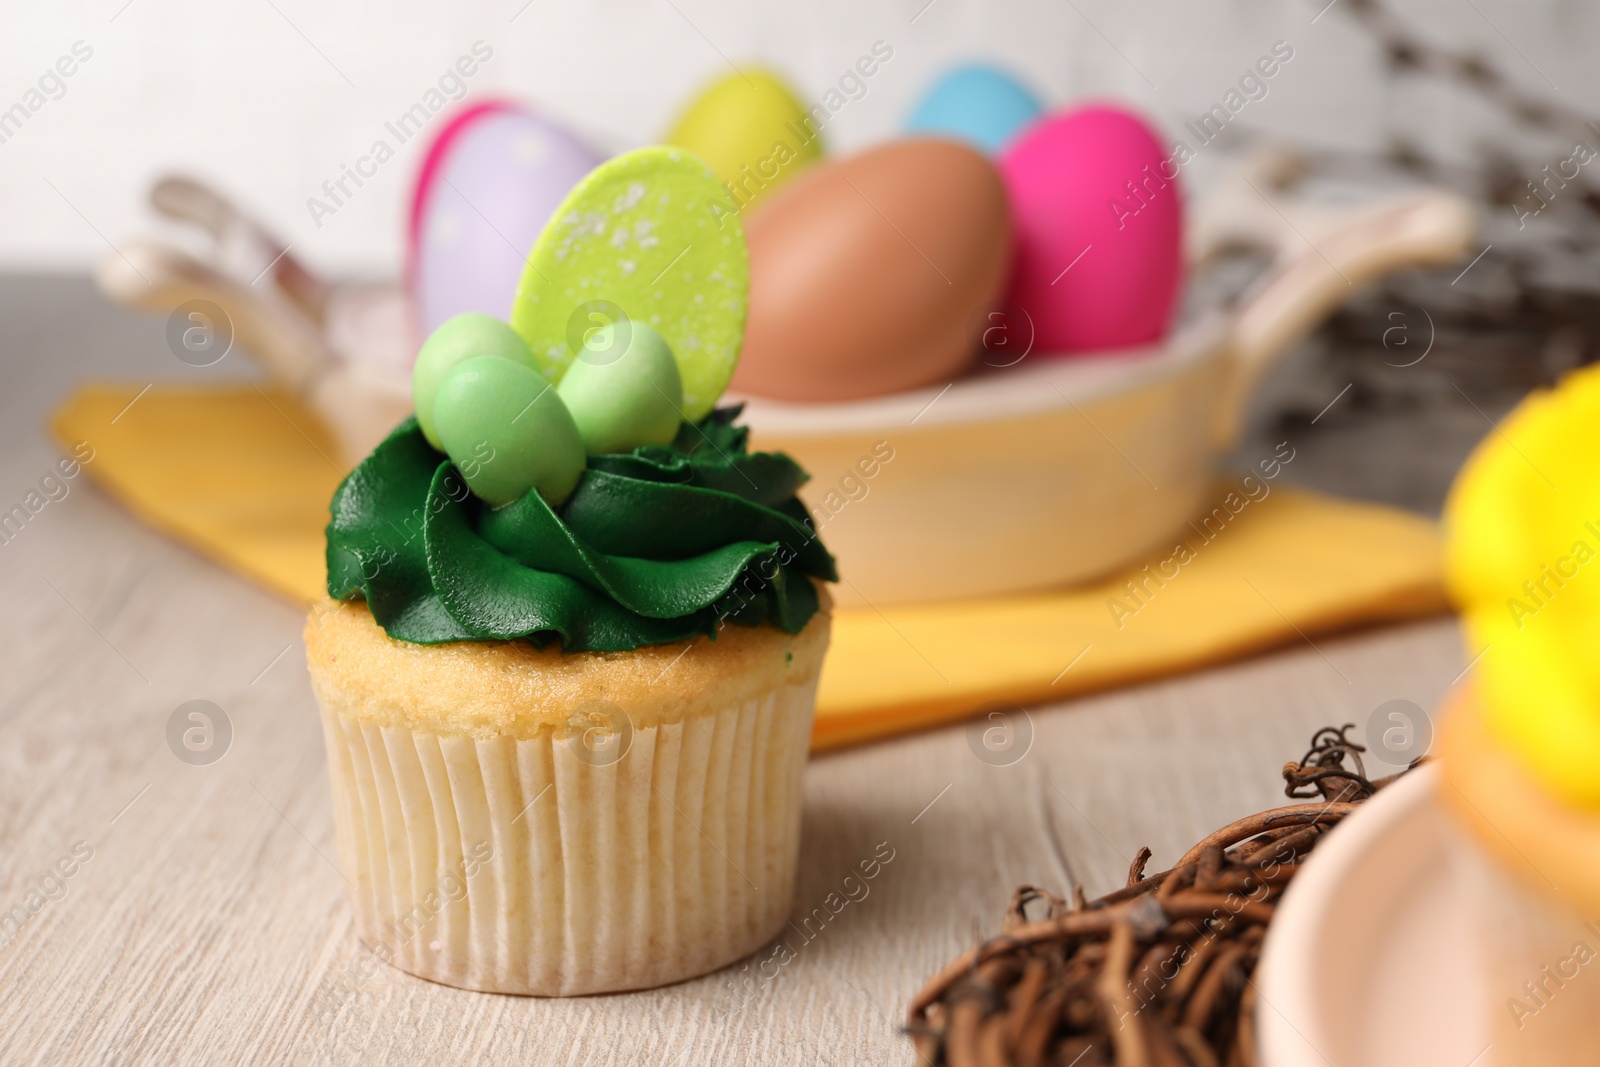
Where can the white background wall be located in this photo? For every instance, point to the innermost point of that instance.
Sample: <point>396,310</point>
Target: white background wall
<point>236,90</point>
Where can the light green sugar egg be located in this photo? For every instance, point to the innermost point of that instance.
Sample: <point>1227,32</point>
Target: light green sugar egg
<point>653,233</point>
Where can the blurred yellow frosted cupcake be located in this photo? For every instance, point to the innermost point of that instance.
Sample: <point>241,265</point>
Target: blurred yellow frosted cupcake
<point>570,656</point>
<point>1520,746</point>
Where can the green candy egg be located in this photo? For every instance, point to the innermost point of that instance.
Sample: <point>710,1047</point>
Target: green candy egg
<point>654,233</point>
<point>507,431</point>
<point>623,390</point>
<point>456,340</point>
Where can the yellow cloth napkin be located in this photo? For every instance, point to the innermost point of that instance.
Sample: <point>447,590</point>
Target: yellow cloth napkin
<point>244,474</point>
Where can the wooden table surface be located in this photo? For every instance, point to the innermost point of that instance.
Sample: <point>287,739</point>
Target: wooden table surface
<point>201,917</point>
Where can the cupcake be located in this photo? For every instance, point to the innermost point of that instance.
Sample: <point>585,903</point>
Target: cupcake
<point>569,656</point>
<point>1520,743</point>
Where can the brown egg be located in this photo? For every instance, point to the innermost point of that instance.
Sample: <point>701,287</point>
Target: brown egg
<point>865,274</point>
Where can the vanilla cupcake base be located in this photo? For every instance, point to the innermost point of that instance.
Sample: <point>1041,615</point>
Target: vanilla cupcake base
<point>1539,962</point>
<point>561,850</point>
<point>1528,865</point>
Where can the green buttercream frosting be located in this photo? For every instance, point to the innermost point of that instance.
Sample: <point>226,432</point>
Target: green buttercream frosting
<point>653,546</point>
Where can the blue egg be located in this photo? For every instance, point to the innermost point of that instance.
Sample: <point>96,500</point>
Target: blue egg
<point>981,105</point>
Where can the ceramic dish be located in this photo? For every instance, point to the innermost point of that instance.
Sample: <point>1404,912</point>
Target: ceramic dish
<point>1055,471</point>
<point>1369,961</point>
<point>1043,473</point>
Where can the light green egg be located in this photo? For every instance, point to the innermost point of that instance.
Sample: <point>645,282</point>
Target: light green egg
<point>623,390</point>
<point>651,234</point>
<point>456,340</point>
<point>507,431</point>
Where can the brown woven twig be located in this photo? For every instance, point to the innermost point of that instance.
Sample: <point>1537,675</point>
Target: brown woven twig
<point>1155,974</point>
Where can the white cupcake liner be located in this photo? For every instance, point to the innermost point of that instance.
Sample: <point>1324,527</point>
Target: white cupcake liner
<point>525,866</point>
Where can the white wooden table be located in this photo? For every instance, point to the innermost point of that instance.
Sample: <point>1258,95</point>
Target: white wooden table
<point>209,925</point>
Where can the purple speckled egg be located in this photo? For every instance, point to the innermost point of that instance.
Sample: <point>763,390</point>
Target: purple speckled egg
<point>487,186</point>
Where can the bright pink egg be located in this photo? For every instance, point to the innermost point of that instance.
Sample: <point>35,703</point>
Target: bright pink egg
<point>1098,218</point>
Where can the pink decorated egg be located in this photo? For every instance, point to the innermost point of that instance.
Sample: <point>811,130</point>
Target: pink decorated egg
<point>1098,219</point>
<point>487,186</point>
